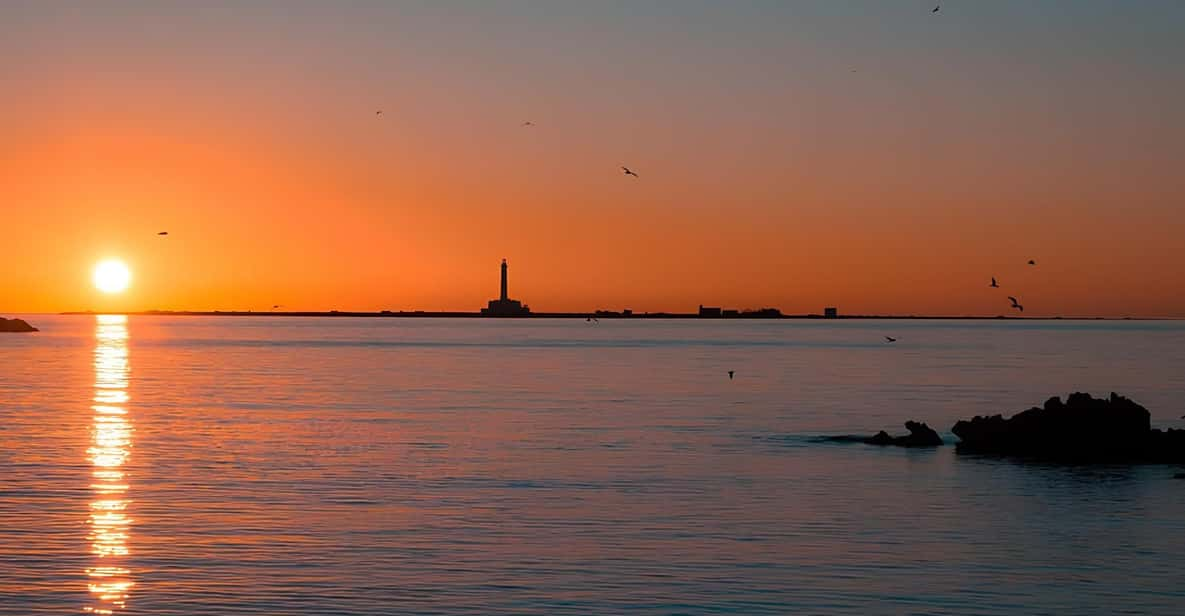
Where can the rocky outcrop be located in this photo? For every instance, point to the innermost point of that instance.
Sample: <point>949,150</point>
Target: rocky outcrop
<point>920,435</point>
<point>1081,429</point>
<point>15,326</point>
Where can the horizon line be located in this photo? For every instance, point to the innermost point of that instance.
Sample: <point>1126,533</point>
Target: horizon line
<point>599,314</point>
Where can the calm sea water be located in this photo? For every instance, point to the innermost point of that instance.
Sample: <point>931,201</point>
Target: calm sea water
<point>157,465</point>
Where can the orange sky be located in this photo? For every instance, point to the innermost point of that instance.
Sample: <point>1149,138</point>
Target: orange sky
<point>771,173</point>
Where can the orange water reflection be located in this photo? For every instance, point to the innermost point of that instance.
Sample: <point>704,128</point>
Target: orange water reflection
<point>110,580</point>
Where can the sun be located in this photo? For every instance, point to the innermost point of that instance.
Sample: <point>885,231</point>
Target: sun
<point>112,276</point>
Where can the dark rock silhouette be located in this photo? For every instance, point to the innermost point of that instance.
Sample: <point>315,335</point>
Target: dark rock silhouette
<point>920,435</point>
<point>15,326</point>
<point>1082,429</point>
<point>1179,476</point>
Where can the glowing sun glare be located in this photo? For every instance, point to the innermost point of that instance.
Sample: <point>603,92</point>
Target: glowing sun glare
<point>112,276</point>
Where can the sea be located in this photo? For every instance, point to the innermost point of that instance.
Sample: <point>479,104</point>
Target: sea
<point>367,466</point>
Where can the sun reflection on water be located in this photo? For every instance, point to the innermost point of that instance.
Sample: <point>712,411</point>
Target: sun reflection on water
<point>111,443</point>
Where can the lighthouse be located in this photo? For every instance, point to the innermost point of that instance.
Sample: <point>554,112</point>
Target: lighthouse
<point>503,297</point>
<point>504,306</point>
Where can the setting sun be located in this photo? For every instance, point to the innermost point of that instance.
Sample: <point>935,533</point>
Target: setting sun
<point>112,276</point>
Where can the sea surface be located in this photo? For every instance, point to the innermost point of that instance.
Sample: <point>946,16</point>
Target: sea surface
<point>189,465</point>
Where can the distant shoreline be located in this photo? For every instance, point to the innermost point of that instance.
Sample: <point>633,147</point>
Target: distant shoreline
<point>595,315</point>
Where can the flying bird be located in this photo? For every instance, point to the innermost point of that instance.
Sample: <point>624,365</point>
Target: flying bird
<point>936,8</point>
<point>994,285</point>
<point>730,373</point>
<point>379,112</point>
<point>276,306</point>
<point>890,339</point>
<point>1016,304</point>
<point>528,123</point>
<point>1032,262</point>
<point>628,172</point>
<point>163,233</point>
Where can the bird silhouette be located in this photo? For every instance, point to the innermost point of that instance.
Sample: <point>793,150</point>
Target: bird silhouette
<point>276,306</point>
<point>1016,304</point>
<point>628,172</point>
<point>163,233</point>
<point>528,123</point>
<point>936,8</point>
<point>994,285</point>
<point>730,373</point>
<point>1032,262</point>
<point>890,339</point>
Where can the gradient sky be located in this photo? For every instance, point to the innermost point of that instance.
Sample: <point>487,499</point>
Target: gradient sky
<point>869,155</point>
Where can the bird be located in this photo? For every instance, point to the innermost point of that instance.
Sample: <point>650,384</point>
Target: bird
<point>936,8</point>
<point>276,306</point>
<point>730,373</point>
<point>890,339</point>
<point>1032,262</point>
<point>994,285</point>
<point>1016,304</point>
<point>379,112</point>
<point>628,172</point>
<point>528,123</point>
<point>163,233</point>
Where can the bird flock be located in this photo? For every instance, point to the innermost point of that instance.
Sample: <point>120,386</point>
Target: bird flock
<point>1016,305</point>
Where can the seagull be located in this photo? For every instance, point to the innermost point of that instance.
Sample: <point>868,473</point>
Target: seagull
<point>730,373</point>
<point>163,233</point>
<point>628,172</point>
<point>276,306</point>
<point>890,339</point>
<point>936,8</point>
<point>1032,262</point>
<point>994,285</point>
<point>1015,304</point>
<point>379,112</point>
<point>528,123</point>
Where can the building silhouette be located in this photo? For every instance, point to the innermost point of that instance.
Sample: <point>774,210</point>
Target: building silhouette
<point>504,306</point>
<point>710,312</point>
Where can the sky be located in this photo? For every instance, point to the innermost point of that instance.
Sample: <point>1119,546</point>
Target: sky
<point>870,155</point>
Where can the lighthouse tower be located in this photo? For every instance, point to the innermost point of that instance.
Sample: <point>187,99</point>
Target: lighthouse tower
<point>504,306</point>
<point>503,297</point>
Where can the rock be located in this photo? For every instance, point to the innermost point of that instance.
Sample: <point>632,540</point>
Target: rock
<point>1179,476</point>
<point>15,326</point>
<point>1082,429</point>
<point>920,435</point>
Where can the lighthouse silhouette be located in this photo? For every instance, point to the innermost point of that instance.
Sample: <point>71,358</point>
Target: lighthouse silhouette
<point>504,306</point>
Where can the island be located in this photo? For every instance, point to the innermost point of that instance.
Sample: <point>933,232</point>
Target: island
<point>15,326</point>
